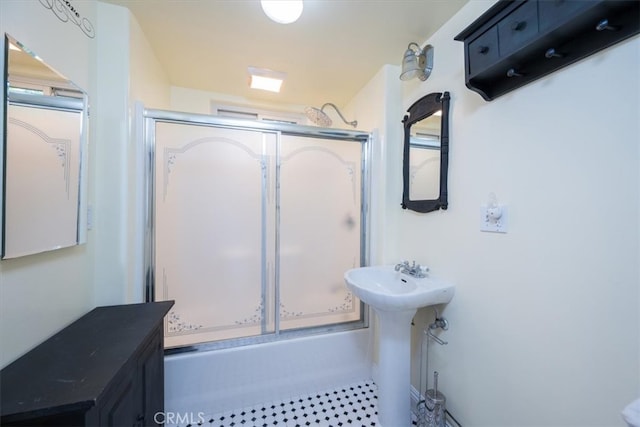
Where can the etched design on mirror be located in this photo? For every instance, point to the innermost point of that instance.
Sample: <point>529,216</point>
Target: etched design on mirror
<point>61,146</point>
<point>43,196</point>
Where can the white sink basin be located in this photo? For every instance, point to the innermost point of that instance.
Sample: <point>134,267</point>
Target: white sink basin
<point>385,289</point>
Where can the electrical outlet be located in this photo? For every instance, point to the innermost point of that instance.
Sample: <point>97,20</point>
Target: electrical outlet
<point>493,218</point>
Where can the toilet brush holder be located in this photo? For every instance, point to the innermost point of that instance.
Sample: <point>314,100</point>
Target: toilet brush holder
<point>435,405</point>
<point>435,409</point>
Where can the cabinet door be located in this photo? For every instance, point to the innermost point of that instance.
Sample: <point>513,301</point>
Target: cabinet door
<point>151,380</point>
<point>121,407</point>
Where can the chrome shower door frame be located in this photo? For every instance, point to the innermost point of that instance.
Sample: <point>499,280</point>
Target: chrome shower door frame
<point>152,117</point>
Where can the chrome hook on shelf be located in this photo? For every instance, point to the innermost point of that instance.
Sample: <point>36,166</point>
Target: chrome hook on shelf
<point>604,25</point>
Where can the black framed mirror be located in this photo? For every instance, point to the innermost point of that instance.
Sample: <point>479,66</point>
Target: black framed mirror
<point>426,154</point>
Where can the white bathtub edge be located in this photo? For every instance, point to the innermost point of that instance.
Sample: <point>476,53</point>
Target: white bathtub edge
<point>220,380</point>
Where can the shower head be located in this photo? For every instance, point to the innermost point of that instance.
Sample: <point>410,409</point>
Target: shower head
<point>319,117</point>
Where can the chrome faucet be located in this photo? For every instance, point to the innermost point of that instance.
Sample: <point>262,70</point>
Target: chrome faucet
<point>413,270</point>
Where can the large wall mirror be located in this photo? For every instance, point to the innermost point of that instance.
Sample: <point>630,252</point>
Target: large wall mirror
<point>44,142</point>
<point>426,153</point>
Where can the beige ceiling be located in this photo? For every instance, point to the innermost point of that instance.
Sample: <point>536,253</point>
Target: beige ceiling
<point>329,54</point>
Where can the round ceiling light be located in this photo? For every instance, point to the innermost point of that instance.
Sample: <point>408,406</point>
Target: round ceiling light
<point>282,11</point>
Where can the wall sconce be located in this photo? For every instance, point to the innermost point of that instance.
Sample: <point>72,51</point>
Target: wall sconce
<point>417,62</point>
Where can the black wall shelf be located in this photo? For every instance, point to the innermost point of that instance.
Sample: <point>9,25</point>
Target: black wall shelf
<point>517,42</point>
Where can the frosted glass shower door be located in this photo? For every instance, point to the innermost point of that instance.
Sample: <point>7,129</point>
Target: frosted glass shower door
<point>212,251</point>
<point>253,229</point>
<point>320,230</point>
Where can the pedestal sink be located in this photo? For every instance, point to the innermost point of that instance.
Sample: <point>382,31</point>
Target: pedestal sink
<point>395,297</point>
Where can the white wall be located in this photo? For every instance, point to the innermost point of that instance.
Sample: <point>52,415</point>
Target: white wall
<point>40,294</point>
<point>190,100</point>
<point>149,81</point>
<point>378,108</point>
<point>109,167</point>
<point>149,85</point>
<point>545,329</point>
<point>127,71</point>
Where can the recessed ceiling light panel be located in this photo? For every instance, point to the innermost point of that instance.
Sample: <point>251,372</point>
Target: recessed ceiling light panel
<point>264,79</point>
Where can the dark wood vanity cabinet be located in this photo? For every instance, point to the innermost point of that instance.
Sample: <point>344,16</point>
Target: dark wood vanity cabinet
<point>105,369</point>
<point>517,42</point>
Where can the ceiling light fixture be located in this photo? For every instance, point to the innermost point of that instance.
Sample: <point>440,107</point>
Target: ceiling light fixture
<point>266,79</point>
<point>282,11</point>
<point>417,62</point>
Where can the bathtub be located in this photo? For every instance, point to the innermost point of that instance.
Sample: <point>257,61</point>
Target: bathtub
<point>220,380</point>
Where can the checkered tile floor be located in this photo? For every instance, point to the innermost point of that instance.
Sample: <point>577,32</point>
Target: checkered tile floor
<point>353,405</point>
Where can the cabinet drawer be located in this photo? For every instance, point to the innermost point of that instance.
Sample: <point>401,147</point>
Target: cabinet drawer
<point>518,28</point>
<point>483,51</point>
<point>554,13</point>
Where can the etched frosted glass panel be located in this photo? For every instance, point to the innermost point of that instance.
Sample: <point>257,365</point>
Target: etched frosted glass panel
<point>320,215</point>
<point>209,220</point>
<point>42,180</point>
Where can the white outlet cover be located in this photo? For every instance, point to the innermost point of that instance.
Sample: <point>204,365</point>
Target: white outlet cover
<point>489,222</point>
